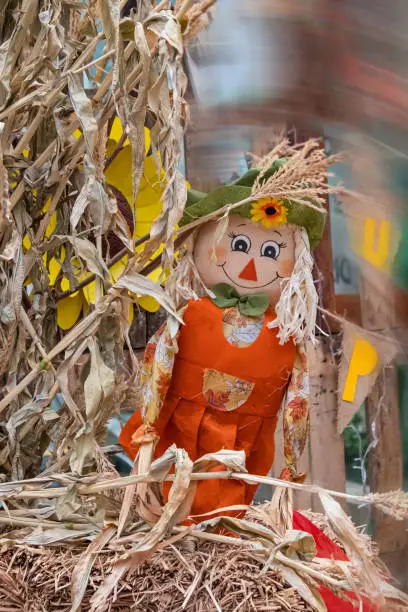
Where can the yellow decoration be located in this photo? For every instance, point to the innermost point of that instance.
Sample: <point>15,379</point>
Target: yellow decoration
<point>65,286</point>
<point>378,243</point>
<point>148,202</point>
<point>69,310</point>
<point>131,313</point>
<point>89,292</point>
<point>116,132</point>
<point>148,207</point>
<point>363,361</point>
<point>269,212</point>
<point>148,303</point>
<point>117,269</point>
<point>377,254</point>
<point>53,266</point>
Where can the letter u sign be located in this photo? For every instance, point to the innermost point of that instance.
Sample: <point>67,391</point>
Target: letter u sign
<point>376,242</point>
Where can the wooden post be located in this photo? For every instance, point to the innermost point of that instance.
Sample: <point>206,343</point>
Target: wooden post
<point>385,459</point>
<point>326,446</point>
<point>386,466</point>
<point>378,298</point>
<point>137,332</point>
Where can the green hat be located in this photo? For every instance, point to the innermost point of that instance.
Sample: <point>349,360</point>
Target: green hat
<point>269,211</point>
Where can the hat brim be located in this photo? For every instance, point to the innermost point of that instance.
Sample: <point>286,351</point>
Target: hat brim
<point>297,214</point>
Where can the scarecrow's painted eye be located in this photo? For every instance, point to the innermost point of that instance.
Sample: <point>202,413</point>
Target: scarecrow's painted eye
<point>271,249</point>
<point>240,243</point>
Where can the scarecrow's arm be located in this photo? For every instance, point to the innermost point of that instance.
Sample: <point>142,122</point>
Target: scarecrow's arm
<point>296,416</point>
<point>157,371</point>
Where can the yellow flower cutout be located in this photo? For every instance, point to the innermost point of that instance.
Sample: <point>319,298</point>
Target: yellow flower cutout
<point>269,212</point>
<point>148,207</point>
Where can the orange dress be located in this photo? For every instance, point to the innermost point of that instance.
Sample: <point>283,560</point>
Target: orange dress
<point>221,396</point>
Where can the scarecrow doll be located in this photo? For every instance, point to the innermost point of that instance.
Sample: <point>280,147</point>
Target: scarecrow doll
<point>248,303</point>
<point>220,380</point>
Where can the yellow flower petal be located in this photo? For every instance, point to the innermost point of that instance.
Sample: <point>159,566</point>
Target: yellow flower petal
<point>148,303</point>
<point>119,172</point>
<point>117,131</point>
<point>65,284</point>
<point>131,313</point>
<point>54,268</point>
<point>51,226</point>
<point>69,310</point>
<point>89,292</point>
<point>267,223</point>
<point>117,269</point>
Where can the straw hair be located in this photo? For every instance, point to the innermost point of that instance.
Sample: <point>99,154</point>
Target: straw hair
<point>184,282</point>
<point>297,306</point>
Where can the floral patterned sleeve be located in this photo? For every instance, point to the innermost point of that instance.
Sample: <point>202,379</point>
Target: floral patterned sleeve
<point>156,372</point>
<point>296,416</point>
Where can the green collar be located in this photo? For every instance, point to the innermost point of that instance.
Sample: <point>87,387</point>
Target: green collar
<point>252,305</point>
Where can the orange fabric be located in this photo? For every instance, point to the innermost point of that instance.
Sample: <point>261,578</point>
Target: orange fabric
<point>186,418</point>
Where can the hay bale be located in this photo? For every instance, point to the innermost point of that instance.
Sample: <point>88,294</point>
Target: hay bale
<point>210,575</point>
<point>191,574</point>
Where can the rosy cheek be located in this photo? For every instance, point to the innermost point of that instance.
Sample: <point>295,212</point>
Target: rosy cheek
<point>286,267</point>
<point>220,254</point>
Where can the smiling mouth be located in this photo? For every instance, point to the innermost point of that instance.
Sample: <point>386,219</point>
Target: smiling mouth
<point>246,286</point>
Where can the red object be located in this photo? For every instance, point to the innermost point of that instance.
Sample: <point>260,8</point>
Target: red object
<point>249,272</point>
<point>327,549</point>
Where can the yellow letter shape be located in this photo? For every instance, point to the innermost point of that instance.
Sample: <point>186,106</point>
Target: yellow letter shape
<point>379,256</point>
<point>363,361</point>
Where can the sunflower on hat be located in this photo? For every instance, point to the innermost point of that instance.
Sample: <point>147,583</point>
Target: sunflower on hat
<point>269,212</point>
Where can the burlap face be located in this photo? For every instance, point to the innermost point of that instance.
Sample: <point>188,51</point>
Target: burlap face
<point>249,257</point>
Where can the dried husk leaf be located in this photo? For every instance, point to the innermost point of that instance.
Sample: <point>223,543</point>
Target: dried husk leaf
<point>100,382</point>
<point>171,511</point>
<point>140,285</point>
<point>345,530</point>
<point>82,570</point>
<point>51,536</point>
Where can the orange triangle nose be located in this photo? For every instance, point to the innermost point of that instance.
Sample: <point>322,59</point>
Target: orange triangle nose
<point>249,272</point>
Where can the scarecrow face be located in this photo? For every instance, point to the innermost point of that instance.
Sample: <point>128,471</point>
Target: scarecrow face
<point>250,257</point>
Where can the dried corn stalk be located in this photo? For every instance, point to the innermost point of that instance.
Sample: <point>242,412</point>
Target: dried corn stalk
<point>57,212</point>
